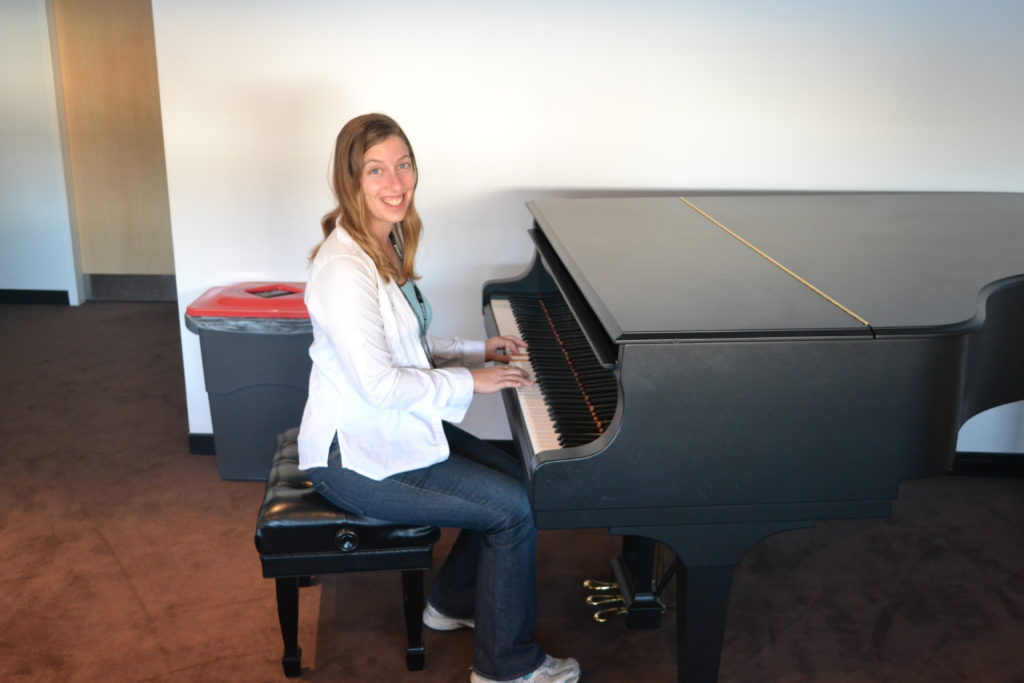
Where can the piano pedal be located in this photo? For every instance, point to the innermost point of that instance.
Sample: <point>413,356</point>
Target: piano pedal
<point>602,615</point>
<point>599,600</point>
<point>600,586</point>
<point>606,594</point>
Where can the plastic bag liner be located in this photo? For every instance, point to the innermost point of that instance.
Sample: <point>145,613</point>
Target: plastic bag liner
<point>249,325</point>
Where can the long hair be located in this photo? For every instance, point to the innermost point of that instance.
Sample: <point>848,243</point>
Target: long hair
<point>357,136</point>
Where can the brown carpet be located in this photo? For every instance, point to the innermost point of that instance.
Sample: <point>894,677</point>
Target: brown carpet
<point>127,559</point>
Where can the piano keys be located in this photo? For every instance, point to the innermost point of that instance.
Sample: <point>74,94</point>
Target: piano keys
<point>715,369</point>
<point>574,399</point>
<point>540,427</point>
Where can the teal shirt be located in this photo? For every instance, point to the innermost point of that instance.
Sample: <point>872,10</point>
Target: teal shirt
<point>423,313</point>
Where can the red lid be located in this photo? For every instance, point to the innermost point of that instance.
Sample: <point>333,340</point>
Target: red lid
<point>252,300</point>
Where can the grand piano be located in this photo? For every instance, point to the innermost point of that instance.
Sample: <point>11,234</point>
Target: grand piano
<point>713,369</point>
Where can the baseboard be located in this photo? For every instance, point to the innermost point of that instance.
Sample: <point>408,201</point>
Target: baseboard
<point>980,464</point>
<point>201,444</point>
<point>103,287</point>
<point>34,296</point>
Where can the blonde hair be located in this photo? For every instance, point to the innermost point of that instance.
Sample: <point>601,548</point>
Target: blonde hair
<point>355,138</point>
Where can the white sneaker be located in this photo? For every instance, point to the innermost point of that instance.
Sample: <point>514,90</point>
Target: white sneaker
<point>551,671</point>
<point>442,622</point>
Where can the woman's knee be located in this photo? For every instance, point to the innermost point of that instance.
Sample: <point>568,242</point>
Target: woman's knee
<point>516,508</point>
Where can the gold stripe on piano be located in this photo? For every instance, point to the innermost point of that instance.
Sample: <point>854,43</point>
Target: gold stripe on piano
<point>771,260</point>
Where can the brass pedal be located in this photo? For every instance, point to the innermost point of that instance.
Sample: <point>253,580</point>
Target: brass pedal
<point>601,616</point>
<point>598,600</point>
<point>600,586</point>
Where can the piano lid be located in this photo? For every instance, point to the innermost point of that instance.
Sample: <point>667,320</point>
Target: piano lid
<point>653,268</point>
<point>906,262</point>
<point>784,265</point>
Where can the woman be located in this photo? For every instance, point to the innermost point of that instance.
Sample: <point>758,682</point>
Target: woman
<point>383,390</point>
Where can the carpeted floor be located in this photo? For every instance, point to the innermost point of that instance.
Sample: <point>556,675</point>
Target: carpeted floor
<point>127,559</point>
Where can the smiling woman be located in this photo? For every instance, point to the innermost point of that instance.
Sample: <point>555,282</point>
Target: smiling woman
<point>388,183</point>
<point>376,192</point>
<point>376,435</point>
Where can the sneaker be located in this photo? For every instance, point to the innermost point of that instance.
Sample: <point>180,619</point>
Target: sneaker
<point>551,671</point>
<point>442,622</point>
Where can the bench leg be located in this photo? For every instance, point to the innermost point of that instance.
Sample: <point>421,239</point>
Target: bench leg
<point>288,615</point>
<point>412,599</point>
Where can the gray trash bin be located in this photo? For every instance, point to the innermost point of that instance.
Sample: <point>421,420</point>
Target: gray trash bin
<point>254,338</point>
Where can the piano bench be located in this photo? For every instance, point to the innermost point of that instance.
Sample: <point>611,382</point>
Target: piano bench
<point>300,534</point>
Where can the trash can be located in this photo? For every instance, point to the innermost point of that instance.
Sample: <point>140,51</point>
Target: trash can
<point>254,338</point>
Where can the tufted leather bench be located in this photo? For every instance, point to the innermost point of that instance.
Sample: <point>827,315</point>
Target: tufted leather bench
<point>300,534</point>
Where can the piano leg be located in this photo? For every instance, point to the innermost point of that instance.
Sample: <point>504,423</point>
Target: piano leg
<point>703,595</point>
<point>708,553</point>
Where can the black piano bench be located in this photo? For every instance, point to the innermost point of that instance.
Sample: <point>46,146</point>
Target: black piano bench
<point>300,534</point>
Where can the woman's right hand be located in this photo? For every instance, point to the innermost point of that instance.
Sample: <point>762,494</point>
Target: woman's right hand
<point>497,377</point>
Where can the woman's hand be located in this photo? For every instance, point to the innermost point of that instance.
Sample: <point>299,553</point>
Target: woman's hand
<point>497,377</point>
<point>504,376</point>
<point>501,349</point>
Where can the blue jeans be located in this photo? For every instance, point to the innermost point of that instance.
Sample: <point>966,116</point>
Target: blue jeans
<point>490,573</point>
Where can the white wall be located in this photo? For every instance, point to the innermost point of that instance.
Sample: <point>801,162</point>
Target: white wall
<point>35,232</point>
<point>510,101</point>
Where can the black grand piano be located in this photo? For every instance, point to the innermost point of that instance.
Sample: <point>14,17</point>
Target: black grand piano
<point>713,369</point>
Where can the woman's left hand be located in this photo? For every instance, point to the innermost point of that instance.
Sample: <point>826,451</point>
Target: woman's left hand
<point>504,349</point>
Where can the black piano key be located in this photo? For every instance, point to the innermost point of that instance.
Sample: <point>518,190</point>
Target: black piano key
<point>580,395</point>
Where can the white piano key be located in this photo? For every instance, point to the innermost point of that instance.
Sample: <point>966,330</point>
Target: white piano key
<point>539,426</point>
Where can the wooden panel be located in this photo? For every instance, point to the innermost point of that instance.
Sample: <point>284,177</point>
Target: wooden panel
<point>114,138</point>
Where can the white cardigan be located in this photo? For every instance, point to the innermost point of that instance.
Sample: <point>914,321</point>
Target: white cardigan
<point>371,382</point>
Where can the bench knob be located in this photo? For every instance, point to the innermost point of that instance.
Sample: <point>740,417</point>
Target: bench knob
<point>347,540</point>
